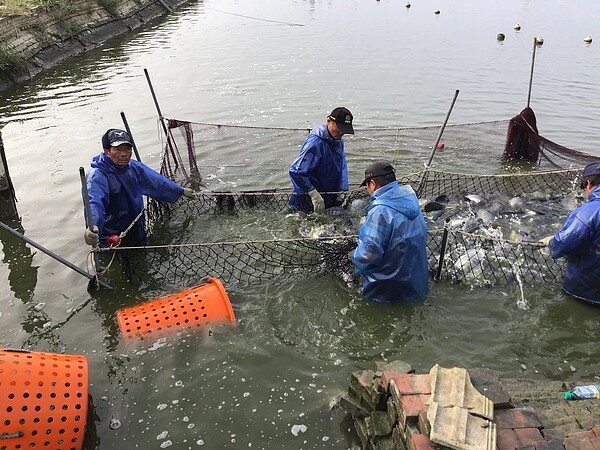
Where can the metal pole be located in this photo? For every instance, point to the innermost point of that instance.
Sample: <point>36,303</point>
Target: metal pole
<point>438,275</point>
<point>8,199</point>
<point>88,213</point>
<point>164,5</point>
<point>135,150</point>
<point>54,255</point>
<point>531,75</point>
<point>437,141</point>
<point>160,116</point>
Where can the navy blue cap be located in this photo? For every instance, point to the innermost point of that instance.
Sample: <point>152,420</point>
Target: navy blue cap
<point>592,169</point>
<point>115,137</point>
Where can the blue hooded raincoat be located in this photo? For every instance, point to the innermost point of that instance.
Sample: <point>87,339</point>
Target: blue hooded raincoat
<point>579,241</point>
<point>391,255</point>
<point>116,196</point>
<point>320,165</point>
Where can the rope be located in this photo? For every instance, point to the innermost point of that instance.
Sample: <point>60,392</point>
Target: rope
<point>124,233</point>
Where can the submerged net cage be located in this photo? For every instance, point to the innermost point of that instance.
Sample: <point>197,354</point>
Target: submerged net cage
<point>244,170</point>
<point>453,256</point>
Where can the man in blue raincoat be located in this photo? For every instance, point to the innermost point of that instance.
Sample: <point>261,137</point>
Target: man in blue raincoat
<point>579,241</point>
<point>115,187</point>
<point>391,255</point>
<point>321,164</point>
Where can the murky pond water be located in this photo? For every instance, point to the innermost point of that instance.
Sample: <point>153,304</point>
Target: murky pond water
<point>272,381</point>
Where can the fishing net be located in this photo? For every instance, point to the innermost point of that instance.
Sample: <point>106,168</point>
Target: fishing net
<point>436,183</point>
<point>452,256</point>
<point>523,142</point>
<point>245,170</point>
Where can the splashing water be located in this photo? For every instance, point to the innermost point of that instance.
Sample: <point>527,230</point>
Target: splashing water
<point>522,303</point>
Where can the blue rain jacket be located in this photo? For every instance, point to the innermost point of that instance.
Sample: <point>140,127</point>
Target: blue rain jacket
<point>320,165</point>
<point>116,196</point>
<point>391,255</point>
<point>579,241</point>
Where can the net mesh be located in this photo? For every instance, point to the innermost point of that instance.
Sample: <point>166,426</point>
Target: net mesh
<point>467,258</point>
<point>238,163</point>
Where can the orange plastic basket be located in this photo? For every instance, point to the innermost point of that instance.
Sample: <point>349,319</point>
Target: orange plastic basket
<point>44,400</point>
<point>203,305</point>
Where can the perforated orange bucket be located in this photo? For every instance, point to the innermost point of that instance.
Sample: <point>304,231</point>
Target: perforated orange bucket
<point>43,400</point>
<point>206,304</point>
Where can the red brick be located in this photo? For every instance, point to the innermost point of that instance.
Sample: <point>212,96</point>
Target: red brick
<point>553,443</point>
<point>410,407</point>
<point>407,383</point>
<point>583,435</point>
<point>573,443</point>
<point>516,418</point>
<point>529,436</point>
<point>506,439</point>
<point>420,442</point>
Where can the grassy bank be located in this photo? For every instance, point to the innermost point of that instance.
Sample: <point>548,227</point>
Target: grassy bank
<point>20,7</point>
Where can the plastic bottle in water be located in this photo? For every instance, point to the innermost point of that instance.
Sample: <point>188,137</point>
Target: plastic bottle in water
<point>583,392</point>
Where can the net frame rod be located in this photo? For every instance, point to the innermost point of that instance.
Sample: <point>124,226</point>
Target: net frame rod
<point>438,274</point>
<point>160,115</point>
<point>531,74</point>
<point>88,212</point>
<point>437,141</point>
<point>53,255</point>
<point>135,150</point>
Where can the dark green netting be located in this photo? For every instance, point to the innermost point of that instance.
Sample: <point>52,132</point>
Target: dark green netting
<point>237,169</point>
<point>468,258</point>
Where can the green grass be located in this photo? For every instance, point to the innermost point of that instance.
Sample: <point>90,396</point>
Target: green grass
<point>110,5</point>
<point>17,7</point>
<point>11,64</point>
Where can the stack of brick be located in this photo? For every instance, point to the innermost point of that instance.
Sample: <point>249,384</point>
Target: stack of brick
<point>389,419</point>
<point>393,408</point>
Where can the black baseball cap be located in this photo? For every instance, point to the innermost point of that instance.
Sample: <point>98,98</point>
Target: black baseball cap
<point>343,119</point>
<point>378,169</point>
<point>115,137</point>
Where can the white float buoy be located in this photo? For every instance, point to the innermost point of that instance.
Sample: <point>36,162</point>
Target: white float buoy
<point>517,27</point>
<point>500,37</point>
<point>587,39</point>
<point>539,40</point>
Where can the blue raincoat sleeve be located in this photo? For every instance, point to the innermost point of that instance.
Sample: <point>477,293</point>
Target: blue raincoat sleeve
<point>304,165</point>
<point>155,185</point>
<point>99,195</point>
<point>572,238</point>
<point>344,175</point>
